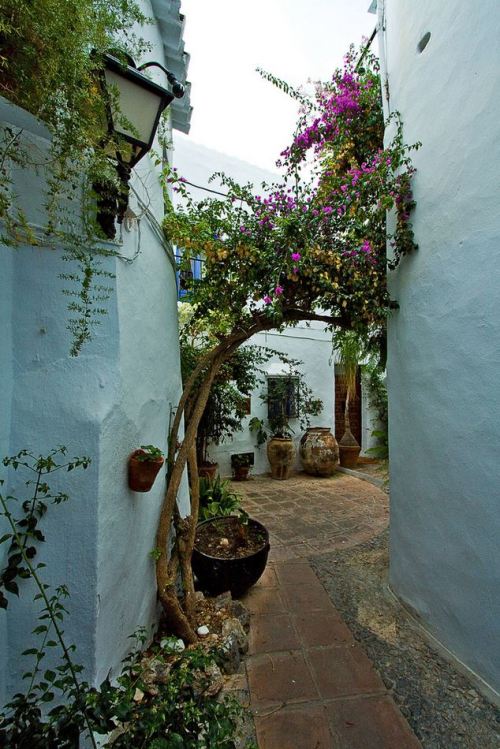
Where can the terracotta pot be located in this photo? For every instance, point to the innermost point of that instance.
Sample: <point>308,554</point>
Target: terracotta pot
<point>319,451</point>
<point>207,470</point>
<point>241,473</point>
<point>281,455</point>
<point>216,575</point>
<point>349,455</point>
<point>142,473</point>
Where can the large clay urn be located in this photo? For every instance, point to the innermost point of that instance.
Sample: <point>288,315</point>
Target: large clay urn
<point>319,451</point>
<point>281,455</point>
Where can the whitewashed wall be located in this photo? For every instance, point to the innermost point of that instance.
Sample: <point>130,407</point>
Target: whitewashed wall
<point>311,344</point>
<point>105,403</point>
<point>444,342</point>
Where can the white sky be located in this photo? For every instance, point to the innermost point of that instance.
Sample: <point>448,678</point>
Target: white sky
<point>235,110</point>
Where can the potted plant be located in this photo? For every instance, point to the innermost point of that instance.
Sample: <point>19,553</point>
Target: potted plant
<point>227,404</point>
<point>143,467</point>
<point>217,498</point>
<point>351,352</point>
<point>231,549</point>
<point>241,463</point>
<point>230,553</point>
<point>288,398</point>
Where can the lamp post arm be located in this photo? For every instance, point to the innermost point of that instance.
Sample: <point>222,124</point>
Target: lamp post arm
<point>178,89</point>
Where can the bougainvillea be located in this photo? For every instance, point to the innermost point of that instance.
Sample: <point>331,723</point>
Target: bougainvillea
<point>309,244</point>
<point>311,247</point>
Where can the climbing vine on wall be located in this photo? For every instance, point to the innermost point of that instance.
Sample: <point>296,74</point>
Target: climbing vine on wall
<point>46,68</point>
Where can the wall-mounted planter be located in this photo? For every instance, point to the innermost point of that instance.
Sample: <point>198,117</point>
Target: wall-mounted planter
<point>142,473</point>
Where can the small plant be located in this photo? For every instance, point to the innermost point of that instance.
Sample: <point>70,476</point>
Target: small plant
<point>148,453</point>
<point>143,467</point>
<point>176,709</point>
<point>241,460</point>
<point>256,425</point>
<point>217,498</point>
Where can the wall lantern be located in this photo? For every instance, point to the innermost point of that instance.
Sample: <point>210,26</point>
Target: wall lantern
<point>134,105</point>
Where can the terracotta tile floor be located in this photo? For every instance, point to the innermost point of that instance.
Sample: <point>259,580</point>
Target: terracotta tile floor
<point>311,686</point>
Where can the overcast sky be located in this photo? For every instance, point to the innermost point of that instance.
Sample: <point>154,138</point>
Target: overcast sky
<point>237,112</point>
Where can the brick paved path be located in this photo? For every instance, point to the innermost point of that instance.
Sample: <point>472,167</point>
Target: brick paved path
<point>311,686</point>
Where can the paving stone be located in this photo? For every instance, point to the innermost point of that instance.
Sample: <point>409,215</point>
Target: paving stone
<point>273,632</point>
<point>343,670</point>
<point>279,678</point>
<point>268,578</point>
<point>296,573</point>
<point>294,728</point>
<point>368,723</point>
<point>304,598</point>
<point>320,629</point>
<point>263,601</point>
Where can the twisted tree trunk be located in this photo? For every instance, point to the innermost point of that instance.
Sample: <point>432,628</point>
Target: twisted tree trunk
<point>178,619</point>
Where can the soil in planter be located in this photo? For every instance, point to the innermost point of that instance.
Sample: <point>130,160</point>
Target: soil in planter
<point>229,539</point>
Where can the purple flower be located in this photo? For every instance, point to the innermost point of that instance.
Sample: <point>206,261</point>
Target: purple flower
<point>327,210</point>
<point>296,256</point>
<point>278,290</point>
<point>267,299</point>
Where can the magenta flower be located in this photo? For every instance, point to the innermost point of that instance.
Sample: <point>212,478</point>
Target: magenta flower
<point>296,257</point>
<point>278,290</point>
<point>267,299</point>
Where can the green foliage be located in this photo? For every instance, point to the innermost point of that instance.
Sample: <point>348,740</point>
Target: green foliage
<point>307,246</point>
<point>238,377</point>
<point>377,397</point>
<point>176,712</point>
<point>242,460</point>
<point>149,452</point>
<point>217,498</point>
<point>351,348</point>
<point>47,68</point>
<point>256,426</point>
<point>180,715</point>
<point>26,720</point>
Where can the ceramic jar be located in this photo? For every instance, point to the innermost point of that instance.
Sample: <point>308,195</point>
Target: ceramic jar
<point>319,451</point>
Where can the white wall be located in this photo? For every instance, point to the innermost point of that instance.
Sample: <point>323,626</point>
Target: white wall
<point>313,346</point>
<point>444,342</point>
<point>116,395</point>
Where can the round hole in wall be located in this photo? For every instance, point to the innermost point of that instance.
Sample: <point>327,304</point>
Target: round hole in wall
<point>423,42</point>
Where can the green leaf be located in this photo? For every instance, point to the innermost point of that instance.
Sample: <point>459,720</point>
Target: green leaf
<point>5,537</point>
<point>12,587</point>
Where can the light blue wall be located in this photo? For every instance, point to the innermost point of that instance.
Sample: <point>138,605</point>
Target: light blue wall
<point>444,342</point>
<point>115,396</point>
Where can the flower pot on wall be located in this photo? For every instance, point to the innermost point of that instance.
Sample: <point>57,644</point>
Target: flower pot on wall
<point>281,455</point>
<point>319,451</point>
<point>143,472</point>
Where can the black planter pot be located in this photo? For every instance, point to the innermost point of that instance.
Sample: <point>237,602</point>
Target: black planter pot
<point>217,575</point>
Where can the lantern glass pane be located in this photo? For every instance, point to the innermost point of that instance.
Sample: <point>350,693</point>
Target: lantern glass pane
<point>138,108</point>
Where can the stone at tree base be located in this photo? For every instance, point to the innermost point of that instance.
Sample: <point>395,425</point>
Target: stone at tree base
<point>233,628</point>
<point>222,601</point>
<point>229,654</point>
<point>203,631</point>
<point>240,612</point>
<point>208,682</point>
